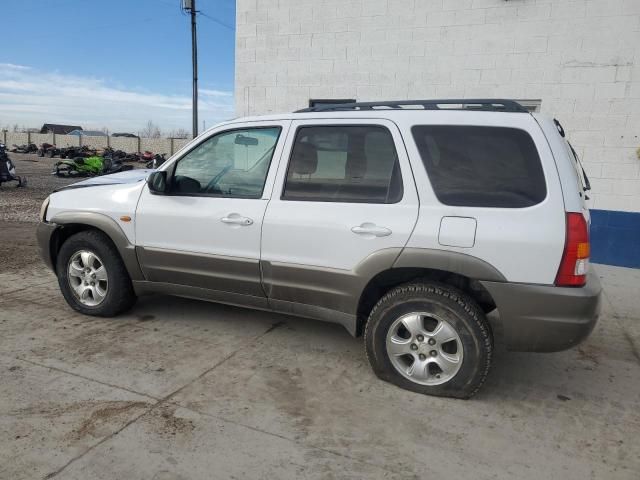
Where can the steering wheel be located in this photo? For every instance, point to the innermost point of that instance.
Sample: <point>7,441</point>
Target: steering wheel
<point>212,185</point>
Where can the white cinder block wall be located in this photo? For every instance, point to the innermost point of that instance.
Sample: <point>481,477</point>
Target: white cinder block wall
<point>581,58</point>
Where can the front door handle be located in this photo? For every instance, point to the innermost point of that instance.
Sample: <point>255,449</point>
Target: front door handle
<point>236,219</point>
<point>371,229</point>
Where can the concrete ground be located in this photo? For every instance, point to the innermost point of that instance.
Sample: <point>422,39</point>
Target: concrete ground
<point>181,389</point>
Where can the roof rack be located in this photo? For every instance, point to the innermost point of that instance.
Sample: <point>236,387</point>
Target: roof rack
<point>481,104</point>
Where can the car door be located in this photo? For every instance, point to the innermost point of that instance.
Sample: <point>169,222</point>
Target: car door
<point>343,207</point>
<point>205,231</point>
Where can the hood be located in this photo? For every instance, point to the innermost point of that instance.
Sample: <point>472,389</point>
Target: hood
<point>130,176</point>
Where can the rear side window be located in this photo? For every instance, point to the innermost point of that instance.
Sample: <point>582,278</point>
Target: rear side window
<point>343,163</point>
<point>481,166</point>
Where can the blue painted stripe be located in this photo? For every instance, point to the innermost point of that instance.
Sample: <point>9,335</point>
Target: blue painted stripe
<point>615,238</point>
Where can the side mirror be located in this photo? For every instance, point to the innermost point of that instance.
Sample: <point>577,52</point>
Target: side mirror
<point>157,182</point>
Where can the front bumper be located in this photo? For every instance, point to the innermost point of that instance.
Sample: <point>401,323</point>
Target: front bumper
<point>44,232</point>
<point>541,318</point>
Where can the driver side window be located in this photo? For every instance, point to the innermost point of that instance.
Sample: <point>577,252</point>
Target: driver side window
<point>230,164</point>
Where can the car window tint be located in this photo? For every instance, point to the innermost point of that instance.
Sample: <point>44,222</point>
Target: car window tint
<point>481,166</point>
<point>348,163</point>
<point>230,164</point>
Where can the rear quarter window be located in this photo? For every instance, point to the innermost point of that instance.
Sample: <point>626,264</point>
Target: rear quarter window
<point>481,166</point>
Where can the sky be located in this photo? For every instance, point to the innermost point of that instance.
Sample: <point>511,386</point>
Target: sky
<point>114,64</point>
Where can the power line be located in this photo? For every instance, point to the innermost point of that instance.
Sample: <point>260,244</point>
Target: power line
<point>213,19</point>
<point>184,11</point>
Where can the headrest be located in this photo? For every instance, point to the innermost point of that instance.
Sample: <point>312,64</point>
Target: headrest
<point>356,167</point>
<point>305,157</point>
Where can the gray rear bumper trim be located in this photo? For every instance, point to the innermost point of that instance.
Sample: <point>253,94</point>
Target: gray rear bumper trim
<point>541,318</point>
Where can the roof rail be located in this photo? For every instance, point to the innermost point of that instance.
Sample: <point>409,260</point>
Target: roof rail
<point>481,104</point>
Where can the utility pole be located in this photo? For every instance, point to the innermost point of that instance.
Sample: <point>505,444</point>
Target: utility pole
<point>191,6</point>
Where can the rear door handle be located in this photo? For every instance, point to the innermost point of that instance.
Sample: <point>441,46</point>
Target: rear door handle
<point>371,229</point>
<point>236,219</point>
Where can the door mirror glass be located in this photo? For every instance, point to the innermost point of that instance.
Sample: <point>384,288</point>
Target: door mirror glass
<point>157,182</point>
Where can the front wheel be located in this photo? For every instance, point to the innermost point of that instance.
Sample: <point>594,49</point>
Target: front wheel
<point>92,276</point>
<point>429,338</point>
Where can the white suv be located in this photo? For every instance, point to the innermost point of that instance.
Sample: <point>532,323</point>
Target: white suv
<point>407,222</point>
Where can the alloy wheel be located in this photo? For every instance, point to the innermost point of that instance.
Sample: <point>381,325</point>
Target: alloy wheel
<point>88,278</point>
<point>424,348</point>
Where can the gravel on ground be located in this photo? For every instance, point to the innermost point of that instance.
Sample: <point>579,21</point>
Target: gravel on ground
<point>23,204</point>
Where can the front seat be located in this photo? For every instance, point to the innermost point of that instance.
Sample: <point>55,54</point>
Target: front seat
<point>305,159</point>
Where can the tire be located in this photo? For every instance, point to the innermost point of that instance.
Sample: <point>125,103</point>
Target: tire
<point>111,296</point>
<point>442,306</point>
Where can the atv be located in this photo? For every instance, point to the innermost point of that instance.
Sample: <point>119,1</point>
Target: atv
<point>145,157</point>
<point>48,150</point>
<point>75,152</point>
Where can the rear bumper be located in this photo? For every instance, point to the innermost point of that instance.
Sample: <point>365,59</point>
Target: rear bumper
<point>540,318</point>
<point>44,232</point>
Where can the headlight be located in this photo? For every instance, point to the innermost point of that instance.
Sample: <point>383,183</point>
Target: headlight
<point>43,209</point>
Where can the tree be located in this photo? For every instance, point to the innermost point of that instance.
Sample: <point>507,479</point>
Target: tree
<point>151,131</point>
<point>179,133</point>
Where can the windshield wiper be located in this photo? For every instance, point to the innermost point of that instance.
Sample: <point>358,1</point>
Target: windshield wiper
<point>587,185</point>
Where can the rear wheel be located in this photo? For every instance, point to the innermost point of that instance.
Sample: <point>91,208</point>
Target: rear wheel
<point>429,338</point>
<point>92,276</point>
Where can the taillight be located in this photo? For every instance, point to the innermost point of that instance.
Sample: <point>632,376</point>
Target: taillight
<point>575,259</point>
